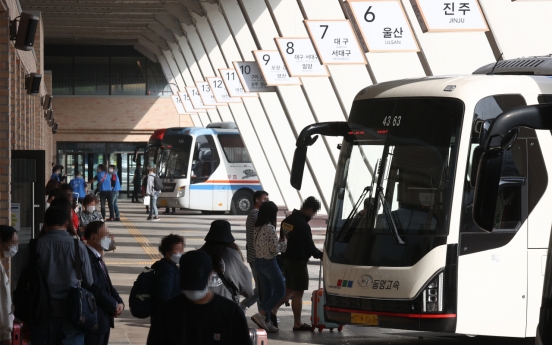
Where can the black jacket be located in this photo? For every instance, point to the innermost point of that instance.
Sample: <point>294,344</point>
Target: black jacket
<point>107,298</point>
<point>167,281</point>
<point>180,321</point>
<point>298,232</point>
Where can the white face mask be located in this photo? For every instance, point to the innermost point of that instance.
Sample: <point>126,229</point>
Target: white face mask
<point>110,170</point>
<point>105,243</point>
<point>193,295</point>
<point>176,258</point>
<point>11,252</point>
<point>90,209</point>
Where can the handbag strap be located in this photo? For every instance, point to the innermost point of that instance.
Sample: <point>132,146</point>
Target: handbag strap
<point>78,262</point>
<point>105,176</point>
<point>229,286</point>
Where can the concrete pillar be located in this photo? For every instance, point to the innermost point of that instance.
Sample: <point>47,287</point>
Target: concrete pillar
<point>5,121</point>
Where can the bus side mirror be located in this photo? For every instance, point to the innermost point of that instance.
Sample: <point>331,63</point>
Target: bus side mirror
<point>298,167</point>
<point>486,189</point>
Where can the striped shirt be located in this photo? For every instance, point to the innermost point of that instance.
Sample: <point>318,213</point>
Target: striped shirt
<point>250,234</point>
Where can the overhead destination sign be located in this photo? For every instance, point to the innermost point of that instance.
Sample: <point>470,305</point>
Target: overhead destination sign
<point>384,25</point>
<point>178,104</point>
<point>274,69</point>
<point>300,57</point>
<point>206,94</point>
<point>187,103</point>
<point>443,16</point>
<point>233,83</point>
<point>220,92</point>
<point>335,42</point>
<point>251,77</point>
<point>197,102</point>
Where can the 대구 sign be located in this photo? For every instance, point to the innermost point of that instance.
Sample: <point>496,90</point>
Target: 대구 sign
<point>178,104</point>
<point>384,25</point>
<point>300,57</point>
<point>197,102</point>
<point>273,68</point>
<point>206,94</point>
<point>449,15</point>
<point>251,77</point>
<point>220,92</point>
<point>233,84</point>
<point>187,103</point>
<point>335,42</point>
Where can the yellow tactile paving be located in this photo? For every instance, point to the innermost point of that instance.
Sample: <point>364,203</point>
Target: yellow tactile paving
<point>152,252</point>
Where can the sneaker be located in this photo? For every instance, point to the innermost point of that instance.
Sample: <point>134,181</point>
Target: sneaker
<point>155,219</point>
<point>149,218</point>
<point>259,319</point>
<point>270,328</point>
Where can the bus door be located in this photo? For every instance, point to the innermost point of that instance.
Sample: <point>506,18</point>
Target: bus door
<point>205,193</point>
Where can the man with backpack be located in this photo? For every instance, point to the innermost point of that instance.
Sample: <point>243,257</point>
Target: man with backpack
<point>153,189</point>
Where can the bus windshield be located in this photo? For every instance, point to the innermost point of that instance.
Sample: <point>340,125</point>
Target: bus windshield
<point>151,154</point>
<point>394,181</point>
<point>179,158</point>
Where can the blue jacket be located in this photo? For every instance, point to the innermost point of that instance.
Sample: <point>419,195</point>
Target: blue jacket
<point>55,177</point>
<point>104,186</point>
<point>117,186</point>
<point>78,186</point>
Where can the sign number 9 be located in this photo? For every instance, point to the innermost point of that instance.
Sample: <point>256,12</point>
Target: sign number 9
<point>266,59</point>
<point>369,16</point>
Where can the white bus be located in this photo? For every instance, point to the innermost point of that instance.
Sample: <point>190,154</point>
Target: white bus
<point>207,169</point>
<point>407,245</point>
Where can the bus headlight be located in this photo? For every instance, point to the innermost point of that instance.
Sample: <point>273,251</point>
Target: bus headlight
<point>433,295</point>
<point>181,192</point>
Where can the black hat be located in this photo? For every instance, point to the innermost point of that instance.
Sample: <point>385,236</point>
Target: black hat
<point>220,232</point>
<point>195,270</point>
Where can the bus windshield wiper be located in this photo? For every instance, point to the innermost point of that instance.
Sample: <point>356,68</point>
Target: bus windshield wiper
<point>348,221</point>
<point>390,221</point>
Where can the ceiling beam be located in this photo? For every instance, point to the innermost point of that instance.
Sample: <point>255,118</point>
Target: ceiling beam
<point>162,31</point>
<point>160,41</point>
<point>195,6</point>
<point>149,45</point>
<point>171,23</point>
<point>146,52</point>
<point>179,11</point>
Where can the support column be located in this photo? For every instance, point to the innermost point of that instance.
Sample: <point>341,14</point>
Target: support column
<point>5,121</point>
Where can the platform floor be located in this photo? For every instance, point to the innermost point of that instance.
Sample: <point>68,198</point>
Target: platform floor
<point>137,241</point>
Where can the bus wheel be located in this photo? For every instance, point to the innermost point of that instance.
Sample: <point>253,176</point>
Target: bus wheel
<point>242,203</point>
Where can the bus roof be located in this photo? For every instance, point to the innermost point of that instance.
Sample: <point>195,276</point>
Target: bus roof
<point>198,131</point>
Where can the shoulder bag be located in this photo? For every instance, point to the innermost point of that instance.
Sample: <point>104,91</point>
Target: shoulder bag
<point>230,287</point>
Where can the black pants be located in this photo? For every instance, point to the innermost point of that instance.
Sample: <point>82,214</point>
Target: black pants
<point>106,196</point>
<point>96,339</point>
<point>135,195</point>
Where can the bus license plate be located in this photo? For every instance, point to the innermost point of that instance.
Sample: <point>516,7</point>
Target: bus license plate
<point>364,319</point>
<point>163,203</point>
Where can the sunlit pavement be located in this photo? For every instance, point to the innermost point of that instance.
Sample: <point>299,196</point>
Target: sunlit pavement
<point>137,241</point>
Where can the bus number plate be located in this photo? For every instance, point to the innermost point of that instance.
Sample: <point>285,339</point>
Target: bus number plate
<point>364,319</point>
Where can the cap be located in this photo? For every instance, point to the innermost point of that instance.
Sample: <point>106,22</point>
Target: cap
<point>220,231</point>
<point>195,270</point>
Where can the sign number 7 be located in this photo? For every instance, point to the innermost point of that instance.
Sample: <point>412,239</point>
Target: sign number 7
<point>325,30</point>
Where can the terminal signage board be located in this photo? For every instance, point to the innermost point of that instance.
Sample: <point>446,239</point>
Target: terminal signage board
<point>178,104</point>
<point>197,102</point>
<point>335,42</point>
<point>300,57</point>
<point>251,77</point>
<point>384,25</point>
<point>206,93</point>
<point>274,69</point>
<point>449,15</point>
<point>233,83</point>
<point>220,92</point>
<point>187,103</point>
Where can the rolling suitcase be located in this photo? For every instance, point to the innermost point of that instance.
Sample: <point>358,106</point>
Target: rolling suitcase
<point>17,338</point>
<point>258,336</point>
<point>317,309</point>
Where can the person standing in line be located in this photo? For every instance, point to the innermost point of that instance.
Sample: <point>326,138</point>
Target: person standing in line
<point>104,186</point>
<point>110,304</point>
<point>8,248</point>
<point>56,173</point>
<point>78,186</point>
<point>259,197</point>
<point>56,253</point>
<point>197,315</point>
<point>167,278</point>
<point>115,189</point>
<point>137,182</point>
<point>153,194</point>
<point>300,248</point>
<point>145,186</point>
<point>267,247</point>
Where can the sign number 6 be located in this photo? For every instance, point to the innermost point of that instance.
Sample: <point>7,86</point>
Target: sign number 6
<point>368,14</point>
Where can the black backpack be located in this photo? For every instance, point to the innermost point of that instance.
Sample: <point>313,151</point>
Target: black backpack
<point>141,294</point>
<point>157,183</point>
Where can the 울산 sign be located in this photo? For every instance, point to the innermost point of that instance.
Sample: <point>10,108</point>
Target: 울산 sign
<point>300,57</point>
<point>384,25</point>
<point>251,77</point>
<point>187,103</point>
<point>220,92</point>
<point>335,42</point>
<point>178,104</point>
<point>233,83</point>
<point>206,93</point>
<point>197,102</point>
<point>274,69</point>
<point>449,15</point>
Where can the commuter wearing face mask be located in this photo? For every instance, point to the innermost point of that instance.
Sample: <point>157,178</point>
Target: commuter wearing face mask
<point>116,187</point>
<point>167,279</point>
<point>89,214</point>
<point>8,248</point>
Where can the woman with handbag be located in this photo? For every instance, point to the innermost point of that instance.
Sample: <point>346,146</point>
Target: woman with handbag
<point>231,277</point>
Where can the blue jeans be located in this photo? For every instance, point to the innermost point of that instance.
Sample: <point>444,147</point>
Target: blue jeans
<point>272,284</point>
<point>257,296</point>
<point>114,198</point>
<point>153,204</point>
<point>56,331</point>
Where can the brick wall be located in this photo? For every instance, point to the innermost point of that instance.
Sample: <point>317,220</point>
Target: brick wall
<point>5,120</point>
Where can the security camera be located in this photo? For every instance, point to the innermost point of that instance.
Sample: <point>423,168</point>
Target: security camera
<point>32,83</point>
<point>49,115</point>
<point>54,128</point>
<point>24,34</point>
<point>47,102</point>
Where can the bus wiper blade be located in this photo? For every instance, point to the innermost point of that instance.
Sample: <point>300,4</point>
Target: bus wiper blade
<point>349,219</point>
<point>390,221</point>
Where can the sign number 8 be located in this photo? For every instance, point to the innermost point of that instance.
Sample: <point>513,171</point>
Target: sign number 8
<point>290,49</point>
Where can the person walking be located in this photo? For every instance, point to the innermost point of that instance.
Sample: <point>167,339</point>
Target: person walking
<point>267,247</point>
<point>144,188</point>
<point>110,304</point>
<point>300,248</point>
<point>79,186</point>
<point>153,194</point>
<point>259,197</point>
<point>56,253</point>
<point>231,277</point>
<point>115,189</point>
<point>104,186</point>
<point>137,182</point>
<point>167,278</point>
<point>197,315</point>
<point>8,248</point>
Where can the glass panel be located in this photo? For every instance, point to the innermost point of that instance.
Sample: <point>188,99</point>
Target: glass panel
<point>234,148</point>
<point>156,80</point>
<point>91,76</point>
<point>62,73</point>
<point>128,76</point>
<point>123,172</point>
<point>205,160</point>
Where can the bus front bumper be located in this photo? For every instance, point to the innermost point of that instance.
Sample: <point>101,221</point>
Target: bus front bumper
<point>170,202</point>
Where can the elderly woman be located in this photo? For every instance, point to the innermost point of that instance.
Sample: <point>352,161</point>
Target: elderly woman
<point>8,248</point>
<point>89,214</point>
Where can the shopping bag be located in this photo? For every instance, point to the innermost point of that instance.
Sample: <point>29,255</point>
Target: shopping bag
<point>147,200</point>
